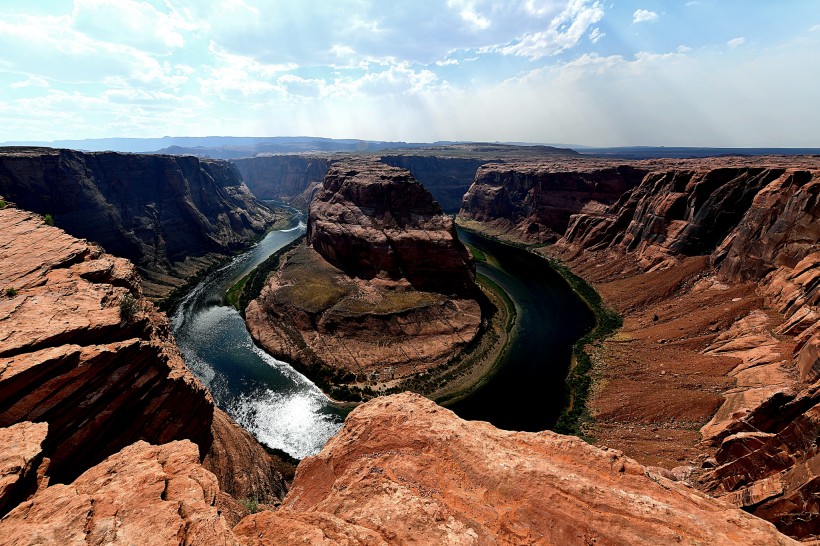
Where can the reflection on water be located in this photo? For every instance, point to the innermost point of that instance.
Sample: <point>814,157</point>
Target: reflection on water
<point>277,404</point>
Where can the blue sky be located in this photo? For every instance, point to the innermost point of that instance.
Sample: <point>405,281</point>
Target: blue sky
<point>605,73</point>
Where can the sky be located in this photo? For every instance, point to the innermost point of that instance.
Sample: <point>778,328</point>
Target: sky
<point>733,73</point>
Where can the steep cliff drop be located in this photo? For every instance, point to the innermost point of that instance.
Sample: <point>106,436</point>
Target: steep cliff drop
<point>82,350</point>
<point>714,265</point>
<point>533,201</point>
<point>171,216</point>
<point>383,291</point>
<point>283,177</point>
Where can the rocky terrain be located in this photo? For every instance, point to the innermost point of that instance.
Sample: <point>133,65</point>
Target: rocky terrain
<point>82,350</point>
<point>532,201</point>
<point>401,471</point>
<point>713,264</point>
<point>171,216</point>
<point>383,290</point>
<point>282,177</point>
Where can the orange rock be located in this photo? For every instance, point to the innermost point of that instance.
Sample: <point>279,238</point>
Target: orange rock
<point>415,473</point>
<point>147,495</point>
<point>20,455</point>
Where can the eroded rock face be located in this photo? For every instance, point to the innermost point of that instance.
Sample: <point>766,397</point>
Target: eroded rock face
<point>281,177</point>
<point>142,495</point>
<point>415,473</point>
<point>20,458</point>
<point>372,220</point>
<point>534,201</point>
<point>172,216</point>
<point>102,374</point>
<point>714,264</point>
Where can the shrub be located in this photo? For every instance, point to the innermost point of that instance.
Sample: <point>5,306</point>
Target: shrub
<point>2,204</point>
<point>49,219</point>
<point>251,505</point>
<point>129,306</point>
<point>11,292</point>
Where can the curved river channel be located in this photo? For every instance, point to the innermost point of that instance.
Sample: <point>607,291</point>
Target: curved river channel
<point>285,410</point>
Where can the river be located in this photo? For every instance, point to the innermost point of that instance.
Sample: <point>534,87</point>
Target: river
<point>286,411</point>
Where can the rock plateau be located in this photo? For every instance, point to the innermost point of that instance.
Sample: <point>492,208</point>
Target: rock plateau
<point>172,216</point>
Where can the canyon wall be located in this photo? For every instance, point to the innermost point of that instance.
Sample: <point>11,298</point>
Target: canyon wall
<point>714,264</point>
<point>82,350</point>
<point>171,216</point>
<point>371,220</point>
<point>447,178</point>
<point>282,177</point>
<point>533,201</point>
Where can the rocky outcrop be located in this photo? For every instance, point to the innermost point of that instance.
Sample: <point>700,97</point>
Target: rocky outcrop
<point>415,473</point>
<point>533,201</point>
<point>446,178</point>
<point>171,216</point>
<point>142,495</point>
<point>81,350</point>
<point>282,177</point>
<point>371,220</point>
<point>20,458</point>
<point>382,294</point>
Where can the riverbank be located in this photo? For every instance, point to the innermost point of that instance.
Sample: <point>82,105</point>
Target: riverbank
<point>284,220</point>
<point>451,380</point>
<point>576,418</point>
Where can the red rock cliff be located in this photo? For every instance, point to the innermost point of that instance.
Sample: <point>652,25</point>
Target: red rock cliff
<point>172,216</point>
<point>372,220</point>
<point>81,350</point>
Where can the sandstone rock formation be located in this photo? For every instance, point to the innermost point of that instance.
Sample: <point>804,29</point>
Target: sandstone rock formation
<point>533,201</point>
<point>20,459</point>
<point>401,471</point>
<point>753,223</point>
<point>371,220</point>
<point>384,292</point>
<point>415,473</point>
<point>142,495</point>
<point>172,216</point>
<point>282,177</point>
<point>446,178</point>
<point>81,350</point>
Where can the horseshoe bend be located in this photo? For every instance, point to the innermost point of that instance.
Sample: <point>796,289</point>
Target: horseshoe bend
<point>699,414</point>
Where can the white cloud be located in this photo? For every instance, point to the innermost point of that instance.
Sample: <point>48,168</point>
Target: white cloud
<point>644,16</point>
<point>562,33</point>
<point>595,35</point>
<point>684,49</point>
<point>815,28</point>
<point>31,81</point>
<point>736,42</point>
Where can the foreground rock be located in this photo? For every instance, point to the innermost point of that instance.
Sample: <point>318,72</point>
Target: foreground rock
<point>415,473</point>
<point>401,471</point>
<point>171,216</point>
<point>383,293</point>
<point>148,495</point>
<point>81,350</point>
<point>20,459</point>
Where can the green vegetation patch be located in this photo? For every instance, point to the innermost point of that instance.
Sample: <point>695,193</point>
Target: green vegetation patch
<point>48,219</point>
<point>575,419</point>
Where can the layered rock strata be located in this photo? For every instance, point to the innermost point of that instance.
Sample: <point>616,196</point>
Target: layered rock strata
<point>383,291</point>
<point>171,216</point>
<point>371,220</point>
<point>533,201</point>
<point>401,471</point>
<point>748,310</point>
<point>282,177</point>
<point>81,350</point>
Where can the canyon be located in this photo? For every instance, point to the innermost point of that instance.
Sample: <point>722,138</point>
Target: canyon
<point>381,289</point>
<point>711,384</point>
<point>172,216</point>
<point>713,264</point>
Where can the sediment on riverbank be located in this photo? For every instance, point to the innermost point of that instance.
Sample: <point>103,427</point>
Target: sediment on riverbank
<point>447,376</point>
